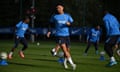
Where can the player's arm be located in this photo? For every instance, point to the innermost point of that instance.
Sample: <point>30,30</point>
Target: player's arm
<point>107,26</point>
<point>48,34</point>
<point>49,30</point>
<point>87,38</point>
<point>15,29</point>
<point>98,38</point>
<point>88,35</point>
<point>70,20</point>
<point>30,31</point>
<point>50,26</point>
<point>68,23</point>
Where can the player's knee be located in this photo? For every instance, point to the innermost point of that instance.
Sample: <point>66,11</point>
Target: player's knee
<point>106,47</point>
<point>25,46</point>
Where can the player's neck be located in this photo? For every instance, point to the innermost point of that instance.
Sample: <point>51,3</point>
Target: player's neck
<point>62,12</point>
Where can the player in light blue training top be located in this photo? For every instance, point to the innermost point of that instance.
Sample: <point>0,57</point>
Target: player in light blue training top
<point>21,28</point>
<point>113,33</point>
<point>20,31</point>
<point>62,22</point>
<point>93,37</point>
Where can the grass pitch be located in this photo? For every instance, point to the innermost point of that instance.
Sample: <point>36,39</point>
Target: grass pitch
<point>39,59</point>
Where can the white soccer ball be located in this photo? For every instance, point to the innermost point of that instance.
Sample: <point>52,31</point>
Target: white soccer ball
<point>118,52</point>
<point>38,43</point>
<point>102,53</point>
<point>61,54</point>
<point>3,55</point>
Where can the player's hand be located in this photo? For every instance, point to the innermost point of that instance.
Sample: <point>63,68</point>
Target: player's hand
<point>17,37</point>
<point>68,23</point>
<point>48,34</point>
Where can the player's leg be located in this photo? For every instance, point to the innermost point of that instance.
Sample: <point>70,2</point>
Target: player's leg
<point>109,51</point>
<point>17,40</point>
<point>115,51</point>
<point>67,53</point>
<point>25,46</point>
<point>87,48</point>
<point>68,43</point>
<point>116,45</point>
<point>68,49</point>
<point>55,50</point>
<point>68,56</point>
<point>110,42</point>
<point>96,47</point>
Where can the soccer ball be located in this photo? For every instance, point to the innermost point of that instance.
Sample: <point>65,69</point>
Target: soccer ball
<point>118,52</point>
<point>38,43</point>
<point>60,54</point>
<point>102,53</point>
<point>3,55</point>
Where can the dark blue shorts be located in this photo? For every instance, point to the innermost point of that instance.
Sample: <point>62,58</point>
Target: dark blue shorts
<point>112,39</point>
<point>21,40</point>
<point>118,41</point>
<point>63,39</point>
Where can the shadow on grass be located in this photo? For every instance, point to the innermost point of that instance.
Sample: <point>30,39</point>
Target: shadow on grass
<point>52,67</point>
<point>46,60</point>
<point>31,65</point>
<point>37,54</point>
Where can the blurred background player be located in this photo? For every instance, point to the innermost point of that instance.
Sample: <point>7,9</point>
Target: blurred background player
<point>62,22</point>
<point>113,34</point>
<point>20,30</point>
<point>93,37</point>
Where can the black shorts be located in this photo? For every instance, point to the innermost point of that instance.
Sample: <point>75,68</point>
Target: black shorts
<point>63,39</point>
<point>118,41</point>
<point>21,40</point>
<point>112,39</point>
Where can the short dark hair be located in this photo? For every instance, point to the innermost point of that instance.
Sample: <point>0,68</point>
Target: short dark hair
<point>25,17</point>
<point>60,4</point>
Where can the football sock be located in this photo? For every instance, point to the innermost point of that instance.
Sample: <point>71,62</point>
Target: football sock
<point>70,61</point>
<point>112,59</point>
<point>53,49</point>
<point>65,61</point>
<point>11,53</point>
<point>55,53</point>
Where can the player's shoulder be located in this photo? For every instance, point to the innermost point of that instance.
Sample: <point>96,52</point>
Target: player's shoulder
<point>67,14</point>
<point>108,15</point>
<point>92,29</point>
<point>19,23</point>
<point>53,15</point>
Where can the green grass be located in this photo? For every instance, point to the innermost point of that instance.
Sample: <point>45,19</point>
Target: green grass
<point>39,59</point>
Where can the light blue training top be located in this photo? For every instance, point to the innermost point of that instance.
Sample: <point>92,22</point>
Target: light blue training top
<point>60,24</point>
<point>21,28</point>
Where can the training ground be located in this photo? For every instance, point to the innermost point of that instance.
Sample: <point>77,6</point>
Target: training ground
<point>39,59</point>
